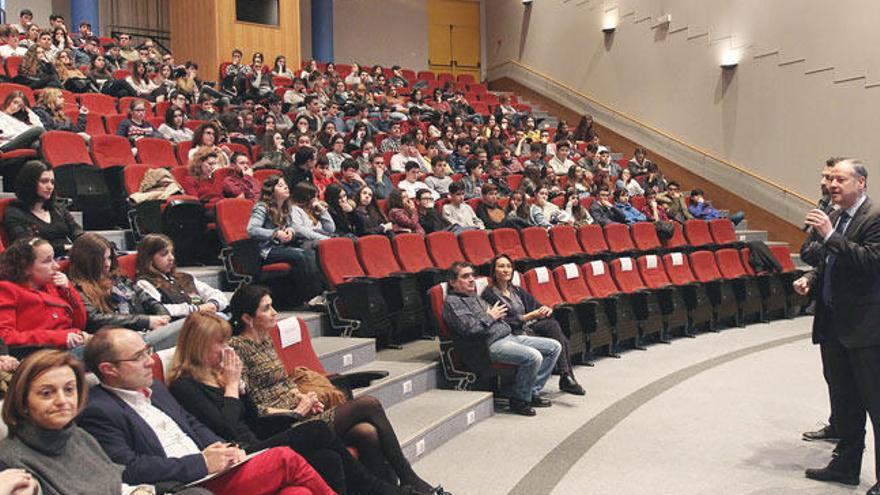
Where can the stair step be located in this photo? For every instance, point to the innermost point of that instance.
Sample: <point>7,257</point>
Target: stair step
<point>318,323</point>
<point>415,377</point>
<point>341,354</point>
<point>117,236</point>
<point>211,275</point>
<point>751,235</point>
<point>425,422</point>
<point>742,225</point>
<point>77,217</point>
<point>7,195</point>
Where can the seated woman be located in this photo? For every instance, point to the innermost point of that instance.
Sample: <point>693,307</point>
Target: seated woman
<point>50,109</point>
<point>180,293</point>
<point>112,299</point>
<point>139,80</point>
<point>20,125</point>
<point>273,154</point>
<point>35,211</point>
<point>36,70</point>
<point>207,135</point>
<point>579,215</point>
<point>526,315</point>
<point>403,213</point>
<point>72,79</point>
<point>628,183</point>
<point>309,217</point>
<point>200,181</point>
<point>544,213</point>
<point>360,422</point>
<point>39,307</point>
<point>368,217</point>
<point>270,224</point>
<point>206,379</point>
<point>136,126</point>
<point>241,182</point>
<point>341,210</point>
<point>173,129</point>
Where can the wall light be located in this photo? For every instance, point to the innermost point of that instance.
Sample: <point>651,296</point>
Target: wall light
<point>729,59</point>
<point>609,23</point>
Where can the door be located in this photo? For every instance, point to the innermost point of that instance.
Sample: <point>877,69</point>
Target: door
<point>454,37</point>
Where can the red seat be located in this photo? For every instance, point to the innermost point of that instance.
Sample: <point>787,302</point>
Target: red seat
<point>466,79</point>
<point>112,151</point>
<point>121,74</point>
<point>571,284</point>
<point>125,265</point>
<point>180,174</point>
<point>339,261</point>
<point>783,255</point>
<point>723,232</point>
<point>263,174</point>
<point>638,202</point>
<point>242,264</point>
<point>720,291</point>
<point>599,279</point>
<point>626,275</point>
<point>112,122</point>
<point>99,103</point>
<point>704,266</point>
<point>134,175</point>
<point>299,352</point>
<point>411,252</point>
<point>514,181</point>
<point>376,256</point>
<point>506,241</point>
<point>12,65</point>
<point>564,240</point>
<point>7,88</point>
<point>444,249</point>
<point>426,75</point>
<point>644,235</point>
<point>677,241</point>
<point>537,244</point>
<point>697,233</point>
<point>652,271</point>
<point>748,292</point>
<point>645,302</point>
<point>156,151</point>
<point>62,148</point>
<point>618,238</point>
<point>592,239</point>
<point>182,153</point>
<point>476,247</point>
<point>618,305</point>
<point>678,267</point>
<point>540,283</point>
<point>729,263</point>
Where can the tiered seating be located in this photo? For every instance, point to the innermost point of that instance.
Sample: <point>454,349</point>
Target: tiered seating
<point>646,305</point>
<point>747,290</point>
<point>721,291</point>
<point>241,254</point>
<point>541,284</point>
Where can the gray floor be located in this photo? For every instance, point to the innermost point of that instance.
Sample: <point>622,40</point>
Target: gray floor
<point>722,413</point>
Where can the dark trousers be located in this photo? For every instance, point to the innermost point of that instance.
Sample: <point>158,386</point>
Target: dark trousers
<point>548,327</point>
<point>853,379</point>
<point>303,266</point>
<point>832,393</point>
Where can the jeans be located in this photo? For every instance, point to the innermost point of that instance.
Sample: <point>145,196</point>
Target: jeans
<point>303,265</point>
<point>164,337</point>
<point>737,217</point>
<point>25,140</point>
<point>534,358</point>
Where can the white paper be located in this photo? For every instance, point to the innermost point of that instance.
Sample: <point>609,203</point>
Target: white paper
<point>626,264</point>
<point>166,357</point>
<point>543,274</point>
<point>651,261</point>
<point>230,468</point>
<point>571,271</point>
<point>598,268</point>
<point>517,281</point>
<point>677,259</point>
<point>289,331</point>
<point>444,288</point>
<point>481,284</point>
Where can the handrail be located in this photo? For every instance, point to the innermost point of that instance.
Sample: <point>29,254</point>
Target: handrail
<point>665,134</point>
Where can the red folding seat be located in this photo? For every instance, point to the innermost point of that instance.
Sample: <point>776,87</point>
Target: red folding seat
<point>592,240</point>
<point>618,306</point>
<point>645,301</point>
<point>476,248</point>
<point>671,298</point>
<point>121,74</point>
<point>401,289</point>
<point>721,292</point>
<point>598,330</point>
<point>619,240</point>
<point>748,292</point>
<point>677,242</point>
<point>506,241</point>
<point>426,75</point>
<point>157,152</point>
<point>112,122</point>
<point>696,294</point>
<point>644,235</point>
<point>193,124</point>
<point>565,243</point>
<point>13,63</point>
<point>638,202</point>
<point>723,233</point>
<point>697,233</point>
<point>413,257</point>
<point>126,265</point>
<point>540,283</point>
<point>444,249</point>
<point>111,151</point>
<point>354,301</point>
<point>514,180</point>
<point>99,103</point>
<point>182,152</point>
<point>536,242</point>
<point>796,302</point>
<point>445,77</point>
<point>241,254</point>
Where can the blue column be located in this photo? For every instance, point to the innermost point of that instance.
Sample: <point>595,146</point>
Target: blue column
<point>322,30</point>
<point>84,10</point>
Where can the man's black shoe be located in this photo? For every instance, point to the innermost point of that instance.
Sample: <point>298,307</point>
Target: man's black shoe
<point>875,490</point>
<point>827,434</point>
<point>538,401</point>
<point>569,385</point>
<point>521,407</point>
<point>831,473</point>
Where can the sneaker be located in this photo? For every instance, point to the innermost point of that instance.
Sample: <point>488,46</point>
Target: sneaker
<point>318,301</point>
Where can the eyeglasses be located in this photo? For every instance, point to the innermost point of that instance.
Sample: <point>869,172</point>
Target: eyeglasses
<point>145,353</point>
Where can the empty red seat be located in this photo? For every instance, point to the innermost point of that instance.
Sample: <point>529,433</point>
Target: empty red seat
<point>592,239</point>
<point>426,75</point>
<point>748,292</point>
<point>476,247</point>
<point>62,148</point>
<point>723,232</point>
<point>401,290</point>
<point>156,151</point>
<point>645,303</point>
<point>537,245</point>
<point>565,243</point>
<point>644,236</point>
<point>112,151</point>
<point>618,307</point>
<point>13,64</point>
<point>697,233</point>
<point>411,252</point>
<point>112,122</point>
<point>618,238</point>
<point>506,241</point>
<point>376,256</point>
<point>721,292</point>
<point>134,175</point>
<point>182,152</point>
<point>99,103</point>
<point>444,249</point>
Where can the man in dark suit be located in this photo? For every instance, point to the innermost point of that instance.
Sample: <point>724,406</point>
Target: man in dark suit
<point>141,426</point>
<point>846,285</point>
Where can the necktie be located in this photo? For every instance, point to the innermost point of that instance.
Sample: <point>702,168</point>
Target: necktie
<point>829,264</point>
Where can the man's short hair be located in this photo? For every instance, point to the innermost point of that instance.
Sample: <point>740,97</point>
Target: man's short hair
<point>437,159</point>
<point>592,148</point>
<point>462,142</point>
<point>563,144</point>
<point>833,161</point>
<point>471,164</point>
<point>303,155</point>
<point>696,192</point>
<point>55,17</point>
<point>673,184</point>
<point>85,23</point>
<point>407,139</point>
<point>455,188</point>
<point>236,51</point>
<point>25,12</point>
<point>310,98</point>
<point>422,191</point>
<point>349,164</point>
<point>100,349</point>
<point>859,169</point>
<point>411,165</point>
<point>456,268</point>
<point>488,188</point>
<point>618,193</point>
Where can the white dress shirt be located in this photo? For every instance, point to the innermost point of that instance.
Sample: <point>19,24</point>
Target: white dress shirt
<point>174,441</point>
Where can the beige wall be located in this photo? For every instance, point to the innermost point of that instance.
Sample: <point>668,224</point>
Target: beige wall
<point>772,119</point>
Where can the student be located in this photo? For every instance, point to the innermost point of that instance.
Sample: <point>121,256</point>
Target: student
<point>411,183</point>
<point>403,213</point>
<point>369,219</point>
<point>498,179</point>
<point>407,153</point>
<point>341,210</point>
<point>621,202</point>
<point>351,180</point>
<point>703,210</point>
<point>439,181</point>
<point>560,162</point>
<point>488,210</point>
<point>136,126</point>
<point>310,220</point>
<point>473,179</point>
<point>604,211</point>
<point>241,182</point>
<point>22,127</point>
<point>458,212</point>
<point>173,129</point>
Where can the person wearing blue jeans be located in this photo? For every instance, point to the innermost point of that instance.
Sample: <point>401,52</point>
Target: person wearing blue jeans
<point>703,210</point>
<point>469,316</point>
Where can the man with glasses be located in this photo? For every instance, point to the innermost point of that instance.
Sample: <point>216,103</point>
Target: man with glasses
<point>673,200</point>
<point>378,179</point>
<point>603,210</point>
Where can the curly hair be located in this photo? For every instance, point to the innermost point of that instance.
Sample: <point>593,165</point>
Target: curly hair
<point>18,258</point>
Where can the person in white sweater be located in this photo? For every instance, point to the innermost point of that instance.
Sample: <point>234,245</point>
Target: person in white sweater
<point>20,127</point>
<point>457,212</point>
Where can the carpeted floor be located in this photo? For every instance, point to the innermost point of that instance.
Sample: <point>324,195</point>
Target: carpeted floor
<point>722,413</point>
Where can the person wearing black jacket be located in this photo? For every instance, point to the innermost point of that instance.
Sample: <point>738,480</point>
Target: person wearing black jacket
<point>603,210</point>
<point>429,218</point>
<point>341,210</point>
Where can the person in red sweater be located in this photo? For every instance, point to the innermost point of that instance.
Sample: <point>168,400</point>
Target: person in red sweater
<point>200,181</point>
<point>39,307</point>
<point>241,182</point>
<point>322,176</point>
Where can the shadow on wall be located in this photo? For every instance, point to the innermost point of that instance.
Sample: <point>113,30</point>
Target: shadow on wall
<point>524,30</point>
<point>726,95</point>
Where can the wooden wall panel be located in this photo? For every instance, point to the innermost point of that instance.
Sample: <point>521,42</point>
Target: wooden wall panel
<point>194,34</point>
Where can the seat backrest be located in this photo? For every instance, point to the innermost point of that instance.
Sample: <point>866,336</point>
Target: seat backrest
<point>626,274</point>
<point>264,173</point>
<point>156,151</point>
<point>507,241</point>
<point>112,122</point>
<point>644,235</point>
<point>4,202</point>
<point>697,233</point>
<point>7,88</point>
<point>598,278</point>
<point>183,148</point>
<point>134,175</point>
<point>126,265</point>
<point>677,240</point>
<point>411,253</point>
<point>514,180</point>
<point>592,239</point>
<point>162,361</point>
<point>783,256</point>
<point>338,260</point>
<point>678,268</point>
<point>112,151</point>
<point>618,238</point>
<point>570,281</point>
<point>65,148</point>
<point>652,271</point>
<point>99,103</point>
<point>475,246</point>
<point>294,345</point>
<point>537,243</point>
<point>540,283</point>
<point>443,248</point>
<point>704,266</point>
<point>376,256</point>
<point>232,218</point>
<point>744,257</point>
<point>729,263</point>
<point>180,174</point>
<point>722,231</point>
<point>564,240</point>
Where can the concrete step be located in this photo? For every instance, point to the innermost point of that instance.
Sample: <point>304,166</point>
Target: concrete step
<point>77,216</point>
<point>751,235</point>
<point>743,225</point>
<point>341,354</point>
<point>404,381</point>
<point>425,422</point>
<point>318,323</point>
<point>117,236</point>
<point>211,275</point>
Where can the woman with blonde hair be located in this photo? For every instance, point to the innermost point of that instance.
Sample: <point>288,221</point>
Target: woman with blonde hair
<point>71,77</point>
<point>50,109</point>
<point>36,70</point>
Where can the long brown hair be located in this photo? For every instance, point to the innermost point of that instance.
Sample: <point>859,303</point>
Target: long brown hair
<point>87,267</point>
<point>147,248</point>
<point>279,216</point>
<point>15,404</point>
<point>191,354</point>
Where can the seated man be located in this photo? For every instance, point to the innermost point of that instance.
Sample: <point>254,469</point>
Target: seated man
<point>411,183</point>
<point>639,163</point>
<point>603,210</point>
<point>393,140</point>
<point>630,213</point>
<point>408,153</point>
<point>459,213</point>
<point>560,162</point>
<point>469,316</point>
<point>140,426</point>
<point>10,48</point>
<point>703,210</point>
<point>438,181</point>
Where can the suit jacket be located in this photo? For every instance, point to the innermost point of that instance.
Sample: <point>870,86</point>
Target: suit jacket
<point>855,281</point>
<point>128,439</point>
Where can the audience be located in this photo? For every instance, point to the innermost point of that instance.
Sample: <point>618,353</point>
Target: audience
<point>21,126</point>
<point>439,181</point>
<point>630,213</point>
<point>403,213</point>
<point>604,211</point>
<point>240,181</point>
<point>701,209</point>
<point>674,202</point>
<point>136,126</point>
<point>173,129</point>
<point>369,219</point>
<point>310,220</point>
<point>411,183</point>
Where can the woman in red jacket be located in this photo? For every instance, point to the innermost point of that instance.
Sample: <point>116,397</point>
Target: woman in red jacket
<point>38,305</point>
